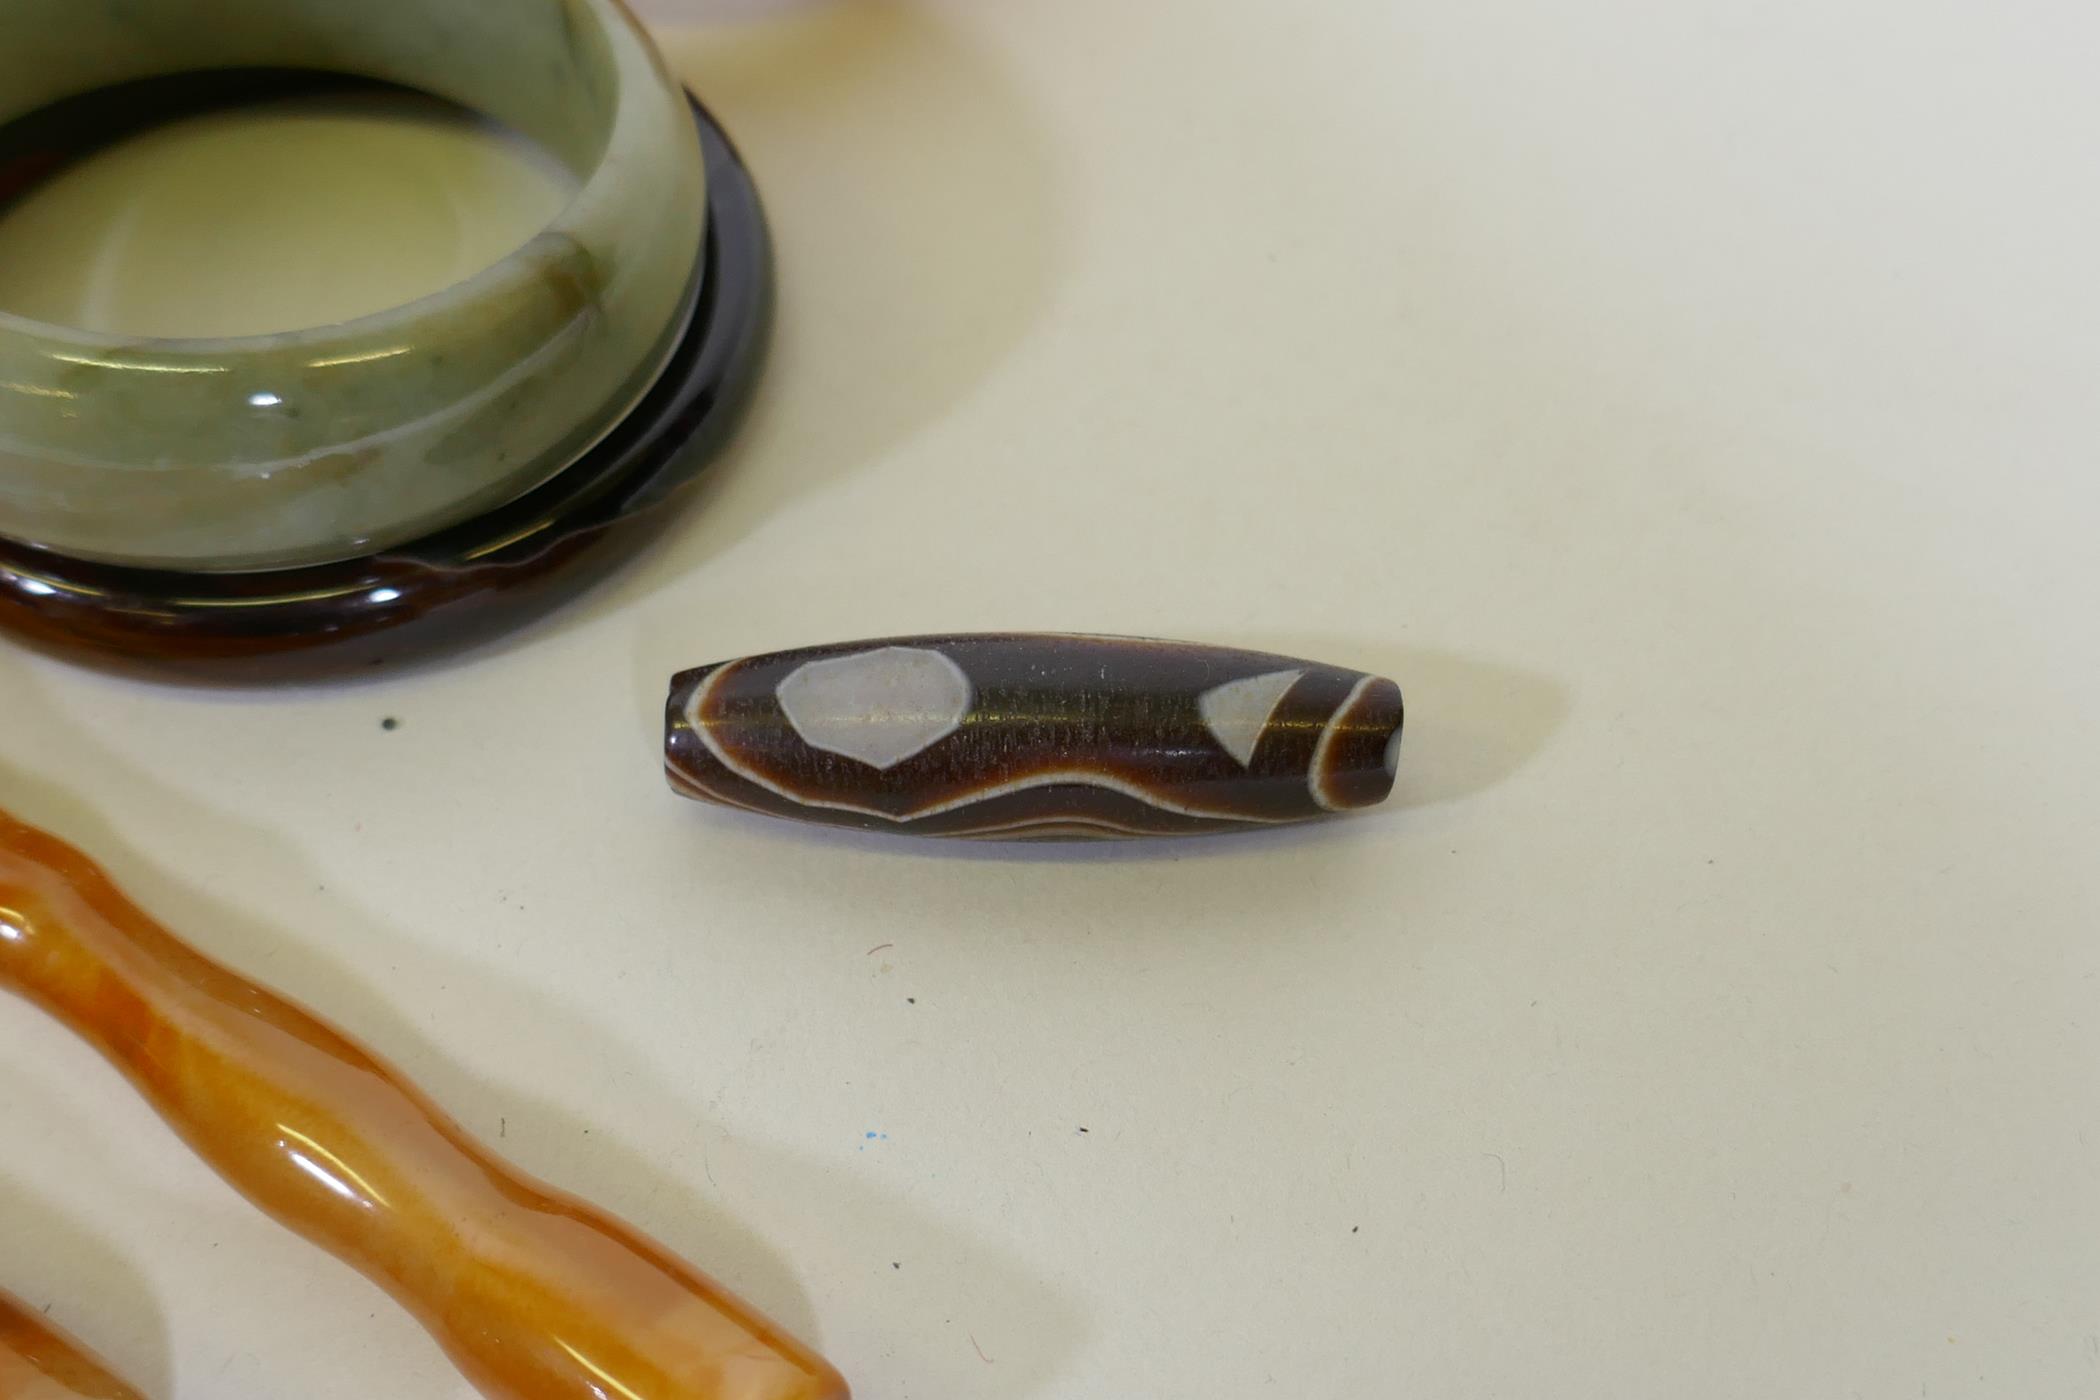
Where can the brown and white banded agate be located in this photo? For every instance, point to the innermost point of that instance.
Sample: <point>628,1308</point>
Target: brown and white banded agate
<point>1018,736</point>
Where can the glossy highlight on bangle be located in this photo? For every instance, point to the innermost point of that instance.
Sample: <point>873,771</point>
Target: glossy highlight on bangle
<point>532,1293</point>
<point>38,1361</point>
<point>1015,736</point>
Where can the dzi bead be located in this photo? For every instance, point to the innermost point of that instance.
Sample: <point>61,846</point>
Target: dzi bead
<point>1015,736</point>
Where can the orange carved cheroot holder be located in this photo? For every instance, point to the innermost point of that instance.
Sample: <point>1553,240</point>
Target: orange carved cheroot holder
<point>534,1294</point>
<point>40,1362</point>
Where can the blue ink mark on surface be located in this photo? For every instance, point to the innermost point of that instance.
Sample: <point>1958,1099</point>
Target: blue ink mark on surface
<point>869,1137</point>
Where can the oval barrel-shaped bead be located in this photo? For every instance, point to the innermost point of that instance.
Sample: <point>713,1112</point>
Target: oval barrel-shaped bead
<point>1019,736</point>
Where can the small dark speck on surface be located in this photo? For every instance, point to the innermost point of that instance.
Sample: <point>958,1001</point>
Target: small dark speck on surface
<point>502,1127</point>
<point>1354,1228</point>
<point>895,1265</point>
<point>390,724</point>
<point>1082,1130</point>
<point>47,1308</point>
<point>914,1001</point>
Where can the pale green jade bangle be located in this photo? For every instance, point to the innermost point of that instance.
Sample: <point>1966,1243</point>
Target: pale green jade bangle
<point>280,450</point>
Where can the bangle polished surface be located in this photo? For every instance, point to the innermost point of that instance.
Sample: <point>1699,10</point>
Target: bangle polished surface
<point>446,589</point>
<point>333,442</point>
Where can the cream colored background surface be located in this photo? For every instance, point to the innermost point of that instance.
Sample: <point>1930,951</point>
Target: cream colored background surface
<point>1691,404</point>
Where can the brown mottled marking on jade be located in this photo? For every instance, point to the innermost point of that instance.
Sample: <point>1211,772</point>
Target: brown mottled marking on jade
<point>1032,736</point>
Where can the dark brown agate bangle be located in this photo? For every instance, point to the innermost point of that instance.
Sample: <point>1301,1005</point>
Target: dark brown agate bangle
<point>449,588</point>
<point>1013,736</point>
